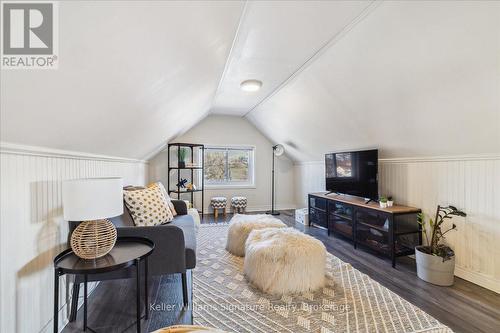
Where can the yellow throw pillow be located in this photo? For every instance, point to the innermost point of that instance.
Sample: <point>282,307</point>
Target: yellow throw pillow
<point>168,200</point>
<point>147,206</point>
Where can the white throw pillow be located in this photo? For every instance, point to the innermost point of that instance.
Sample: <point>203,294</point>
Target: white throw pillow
<point>168,200</point>
<point>147,206</point>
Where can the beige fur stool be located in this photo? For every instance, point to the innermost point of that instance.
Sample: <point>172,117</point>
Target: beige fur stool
<point>284,261</point>
<point>240,227</point>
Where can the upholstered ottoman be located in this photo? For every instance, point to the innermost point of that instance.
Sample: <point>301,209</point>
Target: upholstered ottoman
<point>239,204</point>
<point>218,203</point>
<point>240,227</point>
<point>284,261</point>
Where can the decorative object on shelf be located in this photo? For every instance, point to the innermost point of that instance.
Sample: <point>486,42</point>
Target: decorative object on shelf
<point>92,201</point>
<point>383,202</point>
<point>182,183</point>
<point>390,202</point>
<point>436,261</point>
<point>182,157</point>
<point>191,187</point>
<point>278,150</point>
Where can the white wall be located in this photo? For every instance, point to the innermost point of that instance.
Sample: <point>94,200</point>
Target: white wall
<point>233,131</point>
<point>472,183</point>
<point>32,229</point>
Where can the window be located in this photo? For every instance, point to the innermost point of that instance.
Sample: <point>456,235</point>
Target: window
<point>229,166</point>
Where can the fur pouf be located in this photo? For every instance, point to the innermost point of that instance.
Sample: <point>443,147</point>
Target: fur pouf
<point>284,261</point>
<point>240,227</point>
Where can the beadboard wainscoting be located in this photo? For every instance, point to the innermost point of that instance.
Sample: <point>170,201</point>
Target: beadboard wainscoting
<point>472,183</point>
<point>32,229</point>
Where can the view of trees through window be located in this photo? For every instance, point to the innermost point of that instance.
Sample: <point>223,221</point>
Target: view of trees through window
<point>227,165</point>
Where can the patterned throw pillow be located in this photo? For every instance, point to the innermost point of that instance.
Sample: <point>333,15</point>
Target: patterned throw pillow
<point>165,194</point>
<point>147,206</point>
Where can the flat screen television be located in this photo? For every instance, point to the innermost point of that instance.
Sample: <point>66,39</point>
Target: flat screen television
<point>353,173</point>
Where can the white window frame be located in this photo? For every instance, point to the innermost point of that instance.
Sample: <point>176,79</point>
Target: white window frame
<point>233,185</point>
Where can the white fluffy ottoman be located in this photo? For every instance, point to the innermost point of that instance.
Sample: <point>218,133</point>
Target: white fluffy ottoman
<point>240,227</point>
<point>284,261</point>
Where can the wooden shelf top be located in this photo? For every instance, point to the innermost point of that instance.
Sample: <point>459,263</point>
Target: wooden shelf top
<point>183,144</point>
<point>360,202</point>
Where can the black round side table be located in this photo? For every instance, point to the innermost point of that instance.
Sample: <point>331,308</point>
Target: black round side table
<point>128,251</point>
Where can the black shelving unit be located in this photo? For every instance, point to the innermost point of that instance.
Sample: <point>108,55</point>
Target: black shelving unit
<point>193,169</point>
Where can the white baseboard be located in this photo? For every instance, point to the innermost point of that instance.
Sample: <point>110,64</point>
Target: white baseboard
<point>263,208</point>
<point>268,207</point>
<point>479,279</point>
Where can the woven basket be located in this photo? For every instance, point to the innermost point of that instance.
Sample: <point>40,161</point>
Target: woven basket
<point>93,239</point>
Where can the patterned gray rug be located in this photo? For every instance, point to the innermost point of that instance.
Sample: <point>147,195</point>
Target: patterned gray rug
<point>350,302</point>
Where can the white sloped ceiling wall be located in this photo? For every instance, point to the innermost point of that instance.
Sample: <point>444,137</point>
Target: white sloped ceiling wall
<point>413,78</point>
<point>132,75</point>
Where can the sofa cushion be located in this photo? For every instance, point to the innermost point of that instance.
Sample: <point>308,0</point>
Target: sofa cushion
<point>187,225</point>
<point>160,186</point>
<point>148,207</point>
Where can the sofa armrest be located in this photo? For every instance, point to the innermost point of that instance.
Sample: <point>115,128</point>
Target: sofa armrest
<point>180,207</point>
<point>169,255</point>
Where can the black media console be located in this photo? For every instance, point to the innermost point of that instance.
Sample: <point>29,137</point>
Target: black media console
<point>392,231</point>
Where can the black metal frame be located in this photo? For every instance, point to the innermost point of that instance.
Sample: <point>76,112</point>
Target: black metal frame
<point>272,211</point>
<point>178,169</point>
<point>321,217</point>
<point>58,272</point>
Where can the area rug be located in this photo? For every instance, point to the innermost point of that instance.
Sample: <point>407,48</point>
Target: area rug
<point>350,302</point>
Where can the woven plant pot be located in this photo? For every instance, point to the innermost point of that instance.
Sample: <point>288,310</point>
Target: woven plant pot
<point>93,239</point>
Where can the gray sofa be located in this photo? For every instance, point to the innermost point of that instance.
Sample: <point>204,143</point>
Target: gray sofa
<point>175,249</point>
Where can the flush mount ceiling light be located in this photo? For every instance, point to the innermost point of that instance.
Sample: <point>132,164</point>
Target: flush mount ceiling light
<point>251,85</point>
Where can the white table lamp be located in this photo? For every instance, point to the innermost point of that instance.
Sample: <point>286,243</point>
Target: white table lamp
<point>92,201</point>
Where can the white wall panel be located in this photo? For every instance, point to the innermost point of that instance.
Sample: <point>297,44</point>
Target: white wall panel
<point>32,229</point>
<point>471,183</point>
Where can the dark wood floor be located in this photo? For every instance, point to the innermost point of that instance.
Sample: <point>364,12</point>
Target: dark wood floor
<point>465,307</point>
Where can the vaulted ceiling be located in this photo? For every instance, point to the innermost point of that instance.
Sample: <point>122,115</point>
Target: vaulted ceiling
<point>410,77</point>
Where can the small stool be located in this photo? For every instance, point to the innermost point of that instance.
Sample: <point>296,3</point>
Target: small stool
<point>239,204</point>
<point>218,203</point>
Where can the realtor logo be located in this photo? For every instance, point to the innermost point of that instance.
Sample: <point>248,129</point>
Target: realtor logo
<point>29,39</point>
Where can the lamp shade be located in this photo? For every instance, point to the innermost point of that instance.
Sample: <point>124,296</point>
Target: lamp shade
<point>278,150</point>
<point>92,198</point>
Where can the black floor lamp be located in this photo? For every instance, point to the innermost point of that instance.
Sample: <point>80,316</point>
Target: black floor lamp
<point>278,150</point>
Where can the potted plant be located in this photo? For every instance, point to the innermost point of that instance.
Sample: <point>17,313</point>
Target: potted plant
<point>390,202</point>
<point>436,261</point>
<point>182,157</point>
<point>383,202</point>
